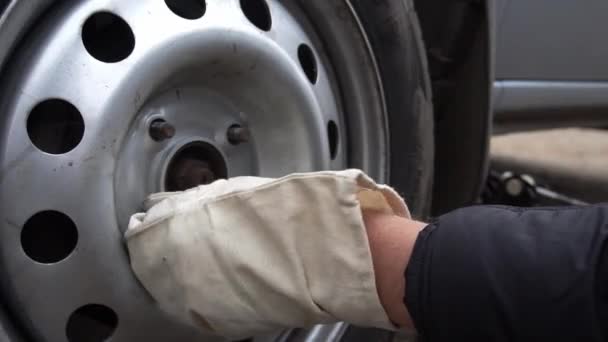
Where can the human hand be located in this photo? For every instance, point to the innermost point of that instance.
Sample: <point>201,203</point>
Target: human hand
<point>251,255</point>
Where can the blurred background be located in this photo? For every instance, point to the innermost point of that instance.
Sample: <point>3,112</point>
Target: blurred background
<point>573,161</point>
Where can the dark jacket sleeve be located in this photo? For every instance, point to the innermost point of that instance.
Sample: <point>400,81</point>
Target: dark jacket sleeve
<point>511,274</point>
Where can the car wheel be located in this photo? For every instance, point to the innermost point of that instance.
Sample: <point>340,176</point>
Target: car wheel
<point>104,102</point>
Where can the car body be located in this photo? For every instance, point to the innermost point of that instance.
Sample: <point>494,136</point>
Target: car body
<point>551,68</point>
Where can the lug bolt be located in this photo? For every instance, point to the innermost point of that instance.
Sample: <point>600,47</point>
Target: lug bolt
<point>161,130</point>
<point>238,134</point>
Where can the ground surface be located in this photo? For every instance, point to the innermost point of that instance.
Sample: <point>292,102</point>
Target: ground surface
<point>571,160</point>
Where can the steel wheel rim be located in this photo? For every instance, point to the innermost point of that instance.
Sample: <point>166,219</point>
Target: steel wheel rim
<point>120,139</point>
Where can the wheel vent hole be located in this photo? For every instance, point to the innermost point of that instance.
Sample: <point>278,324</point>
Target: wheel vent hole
<point>49,237</point>
<point>308,62</point>
<point>107,37</point>
<point>258,13</point>
<point>91,323</point>
<point>333,137</point>
<point>55,126</point>
<point>187,9</point>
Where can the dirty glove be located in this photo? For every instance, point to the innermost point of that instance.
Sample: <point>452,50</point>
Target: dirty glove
<point>254,255</point>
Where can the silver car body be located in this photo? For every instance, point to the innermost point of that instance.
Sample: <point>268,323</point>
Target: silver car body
<point>551,64</point>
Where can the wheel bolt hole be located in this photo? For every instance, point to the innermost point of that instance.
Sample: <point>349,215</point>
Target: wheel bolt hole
<point>91,323</point>
<point>308,62</point>
<point>49,237</point>
<point>333,137</point>
<point>161,130</point>
<point>55,126</point>
<point>238,134</point>
<point>107,37</point>
<point>258,13</point>
<point>187,9</point>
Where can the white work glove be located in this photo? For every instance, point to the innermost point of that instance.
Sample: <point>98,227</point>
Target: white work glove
<point>253,255</point>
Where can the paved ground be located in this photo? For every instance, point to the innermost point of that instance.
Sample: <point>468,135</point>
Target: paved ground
<point>570,160</point>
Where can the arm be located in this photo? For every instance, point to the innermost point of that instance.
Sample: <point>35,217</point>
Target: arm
<point>489,273</point>
<point>391,241</point>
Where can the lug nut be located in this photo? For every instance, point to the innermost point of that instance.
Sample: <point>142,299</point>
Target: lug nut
<point>238,134</point>
<point>161,130</point>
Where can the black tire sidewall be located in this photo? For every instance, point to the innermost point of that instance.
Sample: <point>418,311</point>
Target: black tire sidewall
<point>394,34</point>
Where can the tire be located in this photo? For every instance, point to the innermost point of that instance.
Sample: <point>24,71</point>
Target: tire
<point>399,67</point>
<point>394,33</point>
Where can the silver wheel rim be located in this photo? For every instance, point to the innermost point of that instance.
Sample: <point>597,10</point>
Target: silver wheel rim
<point>202,76</point>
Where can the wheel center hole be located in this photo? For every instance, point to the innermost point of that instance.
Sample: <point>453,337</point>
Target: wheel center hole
<point>195,164</point>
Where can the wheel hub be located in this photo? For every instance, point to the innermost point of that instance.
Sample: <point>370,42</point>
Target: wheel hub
<point>195,164</point>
